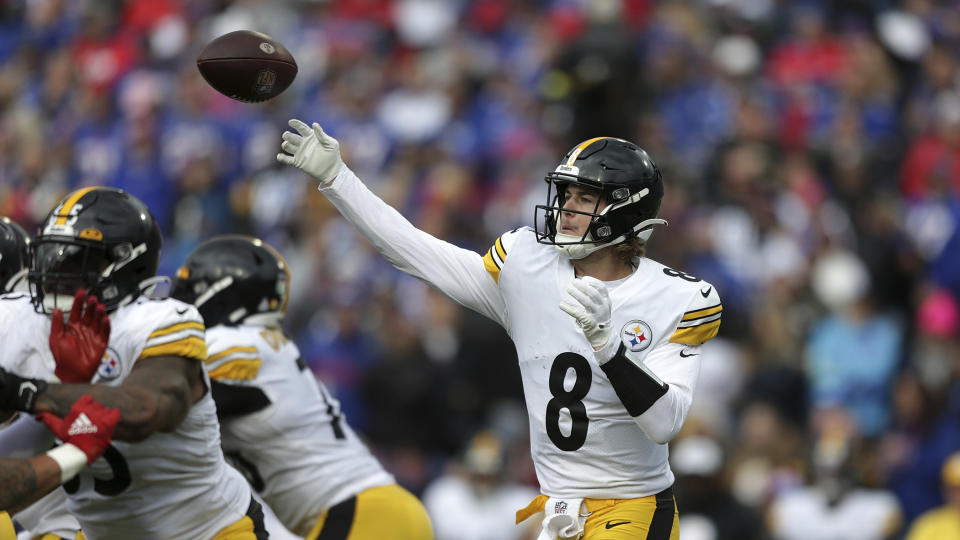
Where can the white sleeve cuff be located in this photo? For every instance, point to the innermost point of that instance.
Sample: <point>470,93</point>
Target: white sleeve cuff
<point>71,460</point>
<point>323,186</point>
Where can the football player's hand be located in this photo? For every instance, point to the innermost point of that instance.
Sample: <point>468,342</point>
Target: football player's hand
<point>78,345</point>
<point>89,426</point>
<point>591,308</point>
<point>312,151</point>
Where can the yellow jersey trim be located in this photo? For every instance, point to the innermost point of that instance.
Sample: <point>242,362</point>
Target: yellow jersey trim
<point>500,251</point>
<point>227,352</point>
<point>696,335</point>
<point>188,347</point>
<point>188,325</point>
<point>244,370</point>
<point>491,266</point>
<point>700,313</point>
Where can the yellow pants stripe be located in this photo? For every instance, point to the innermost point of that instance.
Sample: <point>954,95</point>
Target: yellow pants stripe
<point>374,514</point>
<point>51,536</point>
<point>7,530</point>
<point>249,527</point>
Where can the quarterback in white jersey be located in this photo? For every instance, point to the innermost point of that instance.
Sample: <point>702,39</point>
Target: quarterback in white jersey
<point>608,341</point>
<point>278,423</point>
<point>164,476</point>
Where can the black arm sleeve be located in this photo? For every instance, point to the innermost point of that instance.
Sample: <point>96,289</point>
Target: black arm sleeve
<point>19,393</point>
<point>637,388</point>
<point>237,400</point>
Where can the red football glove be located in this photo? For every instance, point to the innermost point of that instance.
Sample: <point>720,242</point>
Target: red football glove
<point>78,345</point>
<point>89,426</point>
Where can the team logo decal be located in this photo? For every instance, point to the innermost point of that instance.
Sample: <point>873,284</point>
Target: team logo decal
<point>636,335</point>
<point>266,78</point>
<point>109,366</point>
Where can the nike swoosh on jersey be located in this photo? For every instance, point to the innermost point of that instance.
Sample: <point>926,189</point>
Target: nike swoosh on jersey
<point>181,311</point>
<point>707,293</point>
<point>687,355</point>
<point>611,524</point>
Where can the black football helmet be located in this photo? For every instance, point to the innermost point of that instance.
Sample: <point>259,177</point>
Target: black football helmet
<point>235,279</point>
<point>14,254</point>
<point>100,239</point>
<point>630,183</point>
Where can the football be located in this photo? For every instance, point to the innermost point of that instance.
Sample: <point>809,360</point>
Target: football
<point>247,66</point>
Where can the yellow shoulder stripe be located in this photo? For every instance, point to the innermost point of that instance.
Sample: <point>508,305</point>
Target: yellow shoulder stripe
<point>499,247</point>
<point>188,347</point>
<point>705,312</point>
<point>228,352</point>
<point>491,266</point>
<point>494,259</point>
<point>188,325</point>
<point>237,370</point>
<point>695,335</point>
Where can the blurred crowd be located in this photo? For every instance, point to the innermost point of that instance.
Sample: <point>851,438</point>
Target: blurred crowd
<point>811,154</point>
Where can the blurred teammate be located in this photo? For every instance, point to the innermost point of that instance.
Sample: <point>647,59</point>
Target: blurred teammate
<point>608,341</point>
<point>164,476</point>
<point>277,422</point>
<point>14,254</point>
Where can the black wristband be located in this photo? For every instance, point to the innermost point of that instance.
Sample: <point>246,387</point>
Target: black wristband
<point>638,389</point>
<point>19,393</point>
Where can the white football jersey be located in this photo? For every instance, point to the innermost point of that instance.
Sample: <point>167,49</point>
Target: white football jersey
<point>301,455</point>
<point>171,485</point>
<point>583,441</point>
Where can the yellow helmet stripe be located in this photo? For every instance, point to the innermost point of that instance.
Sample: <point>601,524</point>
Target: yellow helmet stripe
<point>69,202</point>
<point>575,153</point>
<point>580,148</point>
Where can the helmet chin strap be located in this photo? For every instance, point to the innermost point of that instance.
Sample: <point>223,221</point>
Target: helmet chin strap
<point>17,282</point>
<point>575,251</point>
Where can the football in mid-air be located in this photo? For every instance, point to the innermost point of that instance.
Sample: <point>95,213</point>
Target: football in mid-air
<point>247,66</point>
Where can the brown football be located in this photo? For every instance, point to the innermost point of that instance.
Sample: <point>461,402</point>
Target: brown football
<point>247,66</point>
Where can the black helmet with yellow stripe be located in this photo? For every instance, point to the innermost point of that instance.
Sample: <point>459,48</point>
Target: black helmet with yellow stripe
<point>234,279</point>
<point>14,253</point>
<point>100,239</point>
<point>631,186</point>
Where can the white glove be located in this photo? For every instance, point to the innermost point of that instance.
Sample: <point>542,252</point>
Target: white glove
<point>312,151</point>
<point>562,522</point>
<point>591,308</point>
